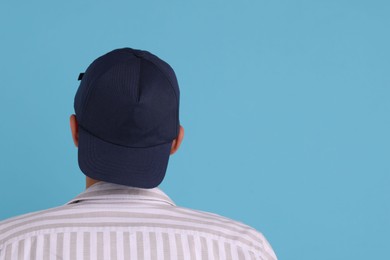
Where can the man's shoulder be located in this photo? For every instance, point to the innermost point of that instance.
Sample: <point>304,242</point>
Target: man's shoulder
<point>12,226</point>
<point>231,229</point>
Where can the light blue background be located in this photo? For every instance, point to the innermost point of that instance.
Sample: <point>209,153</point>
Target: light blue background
<point>285,106</point>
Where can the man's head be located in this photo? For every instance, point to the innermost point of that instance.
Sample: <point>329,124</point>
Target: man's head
<point>127,118</point>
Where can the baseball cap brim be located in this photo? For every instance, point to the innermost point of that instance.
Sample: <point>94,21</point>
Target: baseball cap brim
<point>137,167</point>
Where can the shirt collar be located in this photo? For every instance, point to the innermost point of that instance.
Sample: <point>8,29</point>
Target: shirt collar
<point>110,191</point>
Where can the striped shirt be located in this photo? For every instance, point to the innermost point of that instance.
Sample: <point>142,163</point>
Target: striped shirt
<point>111,221</point>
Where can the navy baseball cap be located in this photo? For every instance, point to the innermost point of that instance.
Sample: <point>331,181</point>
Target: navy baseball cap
<point>127,109</point>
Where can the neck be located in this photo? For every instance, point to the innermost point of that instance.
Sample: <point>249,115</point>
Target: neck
<point>90,182</point>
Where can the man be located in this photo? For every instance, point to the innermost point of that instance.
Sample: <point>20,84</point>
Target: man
<point>125,127</point>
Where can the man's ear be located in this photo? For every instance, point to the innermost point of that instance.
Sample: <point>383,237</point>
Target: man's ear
<point>75,129</point>
<point>177,142</point>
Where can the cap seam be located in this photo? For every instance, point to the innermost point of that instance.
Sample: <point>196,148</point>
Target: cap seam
<point>139,80</point>
<point>84,129</point>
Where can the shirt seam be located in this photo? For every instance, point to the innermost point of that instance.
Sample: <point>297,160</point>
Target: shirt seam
<point>144,229</point>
